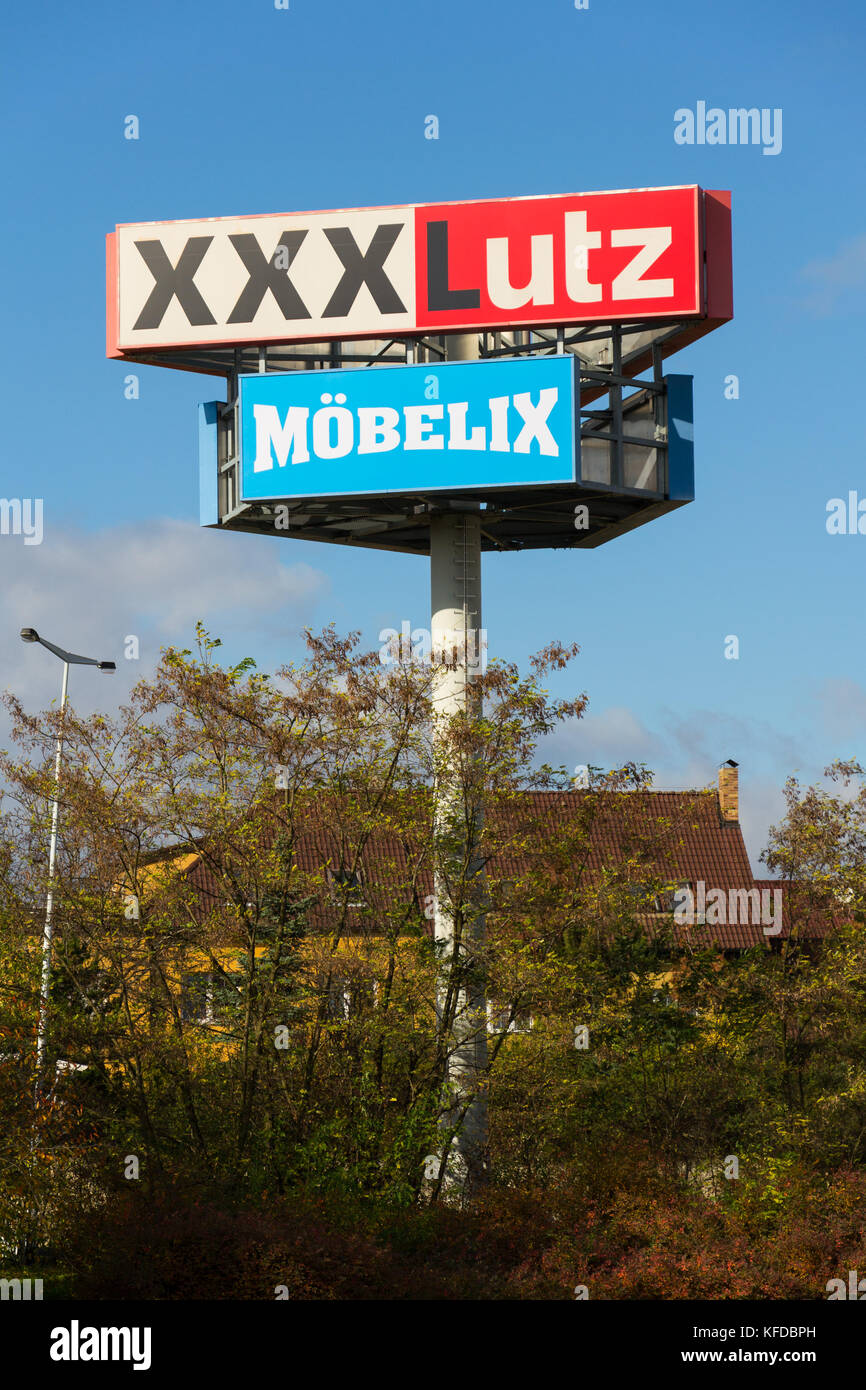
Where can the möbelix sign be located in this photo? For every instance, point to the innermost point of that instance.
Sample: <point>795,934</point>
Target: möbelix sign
<point>368,272</point>
<point>495,423</point>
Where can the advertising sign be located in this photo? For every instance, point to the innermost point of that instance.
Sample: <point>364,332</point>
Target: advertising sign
<point>507,422</point>
<point>661,253</point>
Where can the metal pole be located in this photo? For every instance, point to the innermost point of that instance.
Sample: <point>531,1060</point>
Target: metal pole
<point>455,630</point>
<point>48,932</point>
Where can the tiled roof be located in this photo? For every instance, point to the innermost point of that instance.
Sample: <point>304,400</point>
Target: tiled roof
<point>802,911</point>
<point>730,936</point>
<point>700,844</point>
<point>679,837</point>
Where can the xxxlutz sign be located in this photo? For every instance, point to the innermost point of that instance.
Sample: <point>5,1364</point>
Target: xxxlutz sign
<point>433,267</point>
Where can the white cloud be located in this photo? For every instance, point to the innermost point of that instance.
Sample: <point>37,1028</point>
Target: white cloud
<point>685,753</point>
<point>706,738</point>
<point>610,738</point>
<point>87,591</point>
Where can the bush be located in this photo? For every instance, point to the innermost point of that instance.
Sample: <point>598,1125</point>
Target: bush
<point>652,1239</point>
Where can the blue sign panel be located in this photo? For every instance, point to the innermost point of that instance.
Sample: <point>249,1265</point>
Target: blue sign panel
<point>681,438</point>
<point>208,463</point>
<point>349,432</point>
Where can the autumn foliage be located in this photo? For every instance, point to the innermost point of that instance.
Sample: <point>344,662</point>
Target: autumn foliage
<point>249,1072</point>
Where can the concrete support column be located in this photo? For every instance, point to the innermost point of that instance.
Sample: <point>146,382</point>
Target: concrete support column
<point>459,927</point>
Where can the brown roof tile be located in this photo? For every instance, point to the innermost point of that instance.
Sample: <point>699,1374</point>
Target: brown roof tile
<point>679,837</point>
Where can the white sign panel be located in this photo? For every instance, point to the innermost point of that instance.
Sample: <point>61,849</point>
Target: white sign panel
<point>210,281</point>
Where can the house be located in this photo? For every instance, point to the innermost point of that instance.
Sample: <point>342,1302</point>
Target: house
<point>661,849</point>
<point>188,919</point>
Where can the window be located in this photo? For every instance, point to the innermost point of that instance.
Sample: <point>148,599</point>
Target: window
<point>348,996</point>
<point>669,898</point>
<point>63,1068</point>
<point>349,879</point>
<point>499,1019</point>
<point>196,998</point>
<point>664,901</point>
<point>208,997</point>
<point>339,1001</point>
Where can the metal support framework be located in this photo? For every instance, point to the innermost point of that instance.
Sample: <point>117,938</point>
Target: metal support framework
<point>624,428</point>
<point>591,343</point>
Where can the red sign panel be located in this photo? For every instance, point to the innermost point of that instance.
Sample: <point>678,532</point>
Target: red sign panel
<point>581,257</point>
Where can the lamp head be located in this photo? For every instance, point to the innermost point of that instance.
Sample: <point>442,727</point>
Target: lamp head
<point>105,666</point>
<point>29,634</point>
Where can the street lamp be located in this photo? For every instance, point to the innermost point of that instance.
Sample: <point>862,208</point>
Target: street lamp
<point>29,634</point>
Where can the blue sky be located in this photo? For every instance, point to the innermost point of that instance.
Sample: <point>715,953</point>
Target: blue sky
<point>244,108</point>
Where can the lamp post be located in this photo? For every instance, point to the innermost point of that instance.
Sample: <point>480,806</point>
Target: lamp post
<point>29,634</point>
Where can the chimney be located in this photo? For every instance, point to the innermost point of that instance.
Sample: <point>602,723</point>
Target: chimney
<point>729,792</point>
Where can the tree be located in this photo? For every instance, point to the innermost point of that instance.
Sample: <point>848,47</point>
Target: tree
<point>267,1013</point>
